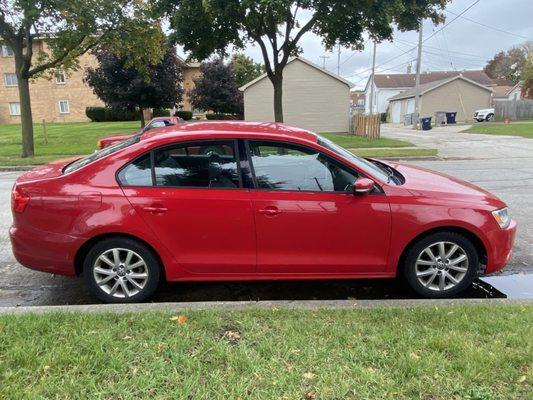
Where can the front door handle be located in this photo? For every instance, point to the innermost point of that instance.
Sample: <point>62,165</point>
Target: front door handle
<point>270,211</point>
<point>156,209</point>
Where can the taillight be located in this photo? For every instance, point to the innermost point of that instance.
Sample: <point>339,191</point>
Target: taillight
<point>99,144</point>
<point>19,200</point>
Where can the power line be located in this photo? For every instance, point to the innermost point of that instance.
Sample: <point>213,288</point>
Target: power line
<point>406,42</point>
<point>488,26</point>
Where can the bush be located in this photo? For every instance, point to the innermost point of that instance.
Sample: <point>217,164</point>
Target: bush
<point>102,114</point>
<point>383,117</point>
<point>220,116</point>
<point>186,115</point>
<point>160,112</point>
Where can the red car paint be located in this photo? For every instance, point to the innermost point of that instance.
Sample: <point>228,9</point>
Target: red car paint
<point>204,234</point>
<point>108,141</point>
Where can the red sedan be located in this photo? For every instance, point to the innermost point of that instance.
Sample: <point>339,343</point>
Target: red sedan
<point>272,203</point>
<point>157,122</point>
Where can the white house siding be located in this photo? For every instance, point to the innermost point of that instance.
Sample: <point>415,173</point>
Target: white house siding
<point>381,99</point>
<point>312,99</point>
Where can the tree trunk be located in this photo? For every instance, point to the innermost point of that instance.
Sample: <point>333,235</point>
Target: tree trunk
<point>143,122</point>
<point>277,82</point>
<point>26,117</point>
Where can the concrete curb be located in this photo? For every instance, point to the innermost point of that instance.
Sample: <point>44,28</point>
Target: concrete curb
<point>259,305</point>
<point>7,168</point>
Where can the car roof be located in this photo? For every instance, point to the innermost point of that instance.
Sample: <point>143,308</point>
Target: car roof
<point>224,129</point>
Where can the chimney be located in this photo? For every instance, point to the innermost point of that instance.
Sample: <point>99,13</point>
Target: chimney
<point>409,67</point>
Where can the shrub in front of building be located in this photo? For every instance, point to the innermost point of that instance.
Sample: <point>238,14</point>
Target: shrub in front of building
<point>220,116</point>
<point>186,115</point>
<point>105,114</point>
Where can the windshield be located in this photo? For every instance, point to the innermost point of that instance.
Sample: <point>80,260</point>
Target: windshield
<point>100,154</point>
<point>365,165</point>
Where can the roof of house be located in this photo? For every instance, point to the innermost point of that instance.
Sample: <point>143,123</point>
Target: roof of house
<point>189,64</point>
<point>325,71</point>
<point>503,82</point>
<point>399,81</point>
<point>427,87</point>
<point>504,90</point>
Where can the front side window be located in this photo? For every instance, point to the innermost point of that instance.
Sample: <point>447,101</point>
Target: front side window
<point>63,107</point>
<point>203,164</point>
<point>7,51</point>
<point>280,166</point>
<point>14,108</point>
<point>10,79</point>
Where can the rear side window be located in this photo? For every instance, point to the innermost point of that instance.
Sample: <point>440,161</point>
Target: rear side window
<point>203,164</point>
<point>137,173</point>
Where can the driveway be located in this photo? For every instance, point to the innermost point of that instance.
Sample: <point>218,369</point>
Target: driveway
<point>490,164</point>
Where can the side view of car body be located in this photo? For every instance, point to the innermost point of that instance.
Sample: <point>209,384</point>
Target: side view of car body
<point>157,122</point>
<point>272,203</point>
<point>486,114</point>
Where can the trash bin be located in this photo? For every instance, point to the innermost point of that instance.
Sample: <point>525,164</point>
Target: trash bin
<point>440,118</point>
<point>450,117</point>
<point>408,119</point>
<point>425,123</point>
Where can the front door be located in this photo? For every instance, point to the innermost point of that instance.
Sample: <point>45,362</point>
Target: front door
<point>307,219</point>
<point>194,202</point>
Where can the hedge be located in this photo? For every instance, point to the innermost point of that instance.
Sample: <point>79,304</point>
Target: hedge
<point>160,112</point>
<point>220,116</point>
<point>103,114</point>
<point>186,115</point>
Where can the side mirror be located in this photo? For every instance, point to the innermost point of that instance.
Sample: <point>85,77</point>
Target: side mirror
<point>363,186</point>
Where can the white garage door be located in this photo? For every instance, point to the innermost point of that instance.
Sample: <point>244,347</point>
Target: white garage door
<point>410,106</point>
<point>396,112</point>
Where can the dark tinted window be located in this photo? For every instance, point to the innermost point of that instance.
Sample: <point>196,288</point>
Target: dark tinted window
<point>288,167</point>
<point>138,173</point>
<point>203,164</point>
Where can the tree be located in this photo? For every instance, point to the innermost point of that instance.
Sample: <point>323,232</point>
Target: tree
<point>216,89</point>
<point>526,76</point>
<point>69,29</point>
<point>245,69</point>
<point>508,64</point>
<point>121,85</point>
<point>277,26</point>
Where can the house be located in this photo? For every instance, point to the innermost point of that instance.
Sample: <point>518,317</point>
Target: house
<point>357,99</point>
<point>506,90</point>
<point>63,98</point>
<point>389,85</point>
<point>313,98</point>
<point>457,93</point>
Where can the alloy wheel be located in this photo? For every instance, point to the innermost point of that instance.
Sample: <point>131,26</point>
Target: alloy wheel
<point>120,273</point>
<point>441,266</point>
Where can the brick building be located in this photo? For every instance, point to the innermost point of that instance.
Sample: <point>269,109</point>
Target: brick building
<point>64,97</point>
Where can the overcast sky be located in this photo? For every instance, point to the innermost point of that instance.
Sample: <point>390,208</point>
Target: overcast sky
<point>461,45</point>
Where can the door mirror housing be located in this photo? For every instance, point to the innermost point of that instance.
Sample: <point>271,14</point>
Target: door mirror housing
<point>363,186</point>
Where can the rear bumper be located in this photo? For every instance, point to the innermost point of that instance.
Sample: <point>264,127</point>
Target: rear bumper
<point>501,247</point>
<point>45,251</point>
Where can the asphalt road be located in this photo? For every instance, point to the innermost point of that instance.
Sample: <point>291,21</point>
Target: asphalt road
<point>509,178</point>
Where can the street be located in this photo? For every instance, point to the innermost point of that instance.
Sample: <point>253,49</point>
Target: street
<point>511,178</point>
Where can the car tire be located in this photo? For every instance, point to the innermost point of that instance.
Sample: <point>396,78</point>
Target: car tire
<point>440,274</point>
<point>490,118</point>
<point>121,270</point>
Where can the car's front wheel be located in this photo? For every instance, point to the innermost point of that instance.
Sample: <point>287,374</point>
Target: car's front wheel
<point>121,270</point>
<point>441,265</point>
<point>490,118</point>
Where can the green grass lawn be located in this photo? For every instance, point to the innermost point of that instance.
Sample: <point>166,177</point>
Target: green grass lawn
<point>515,128</point>
<point>72,139</point>
<point>64,140</point>
<point>464,352</point>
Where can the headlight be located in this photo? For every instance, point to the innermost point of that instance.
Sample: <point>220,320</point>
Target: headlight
<point>502,217</point>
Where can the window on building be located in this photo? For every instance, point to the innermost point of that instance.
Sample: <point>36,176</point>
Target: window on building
<point>60,77</point>
<point>63,107</point>
<point>10,79</point>
<point>14,108</point>
<point>7,51</point>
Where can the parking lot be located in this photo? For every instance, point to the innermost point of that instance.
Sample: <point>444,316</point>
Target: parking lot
<point>511,178</point>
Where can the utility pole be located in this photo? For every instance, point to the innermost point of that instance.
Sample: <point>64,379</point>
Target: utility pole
<point>324,58</point>
<point>339,60</point>
<point>371,108</point>
<point>416,117</point>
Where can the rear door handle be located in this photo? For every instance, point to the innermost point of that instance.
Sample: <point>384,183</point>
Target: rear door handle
<point>156,209</point>
<point>269,211</point>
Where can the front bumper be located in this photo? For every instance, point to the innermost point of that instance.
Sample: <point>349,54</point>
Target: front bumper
<point>45,251</point>
<point>501,242</point>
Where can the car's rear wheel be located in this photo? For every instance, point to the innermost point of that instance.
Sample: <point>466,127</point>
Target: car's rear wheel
<point>490,118</point>
<point>441,265</point>
<point>121,270</point>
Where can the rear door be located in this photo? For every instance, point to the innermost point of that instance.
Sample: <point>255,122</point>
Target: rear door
<point>308,220</point>
<point>191,196</point>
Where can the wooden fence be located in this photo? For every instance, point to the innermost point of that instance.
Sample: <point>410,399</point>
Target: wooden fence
<point>513,109</point>
<point>366,125</point>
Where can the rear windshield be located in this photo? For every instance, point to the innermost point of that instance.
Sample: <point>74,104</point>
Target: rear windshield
<point>100,154</point>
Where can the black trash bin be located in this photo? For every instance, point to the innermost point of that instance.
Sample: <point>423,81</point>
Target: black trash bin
<point>426,123</point>
<point>450,117</point>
